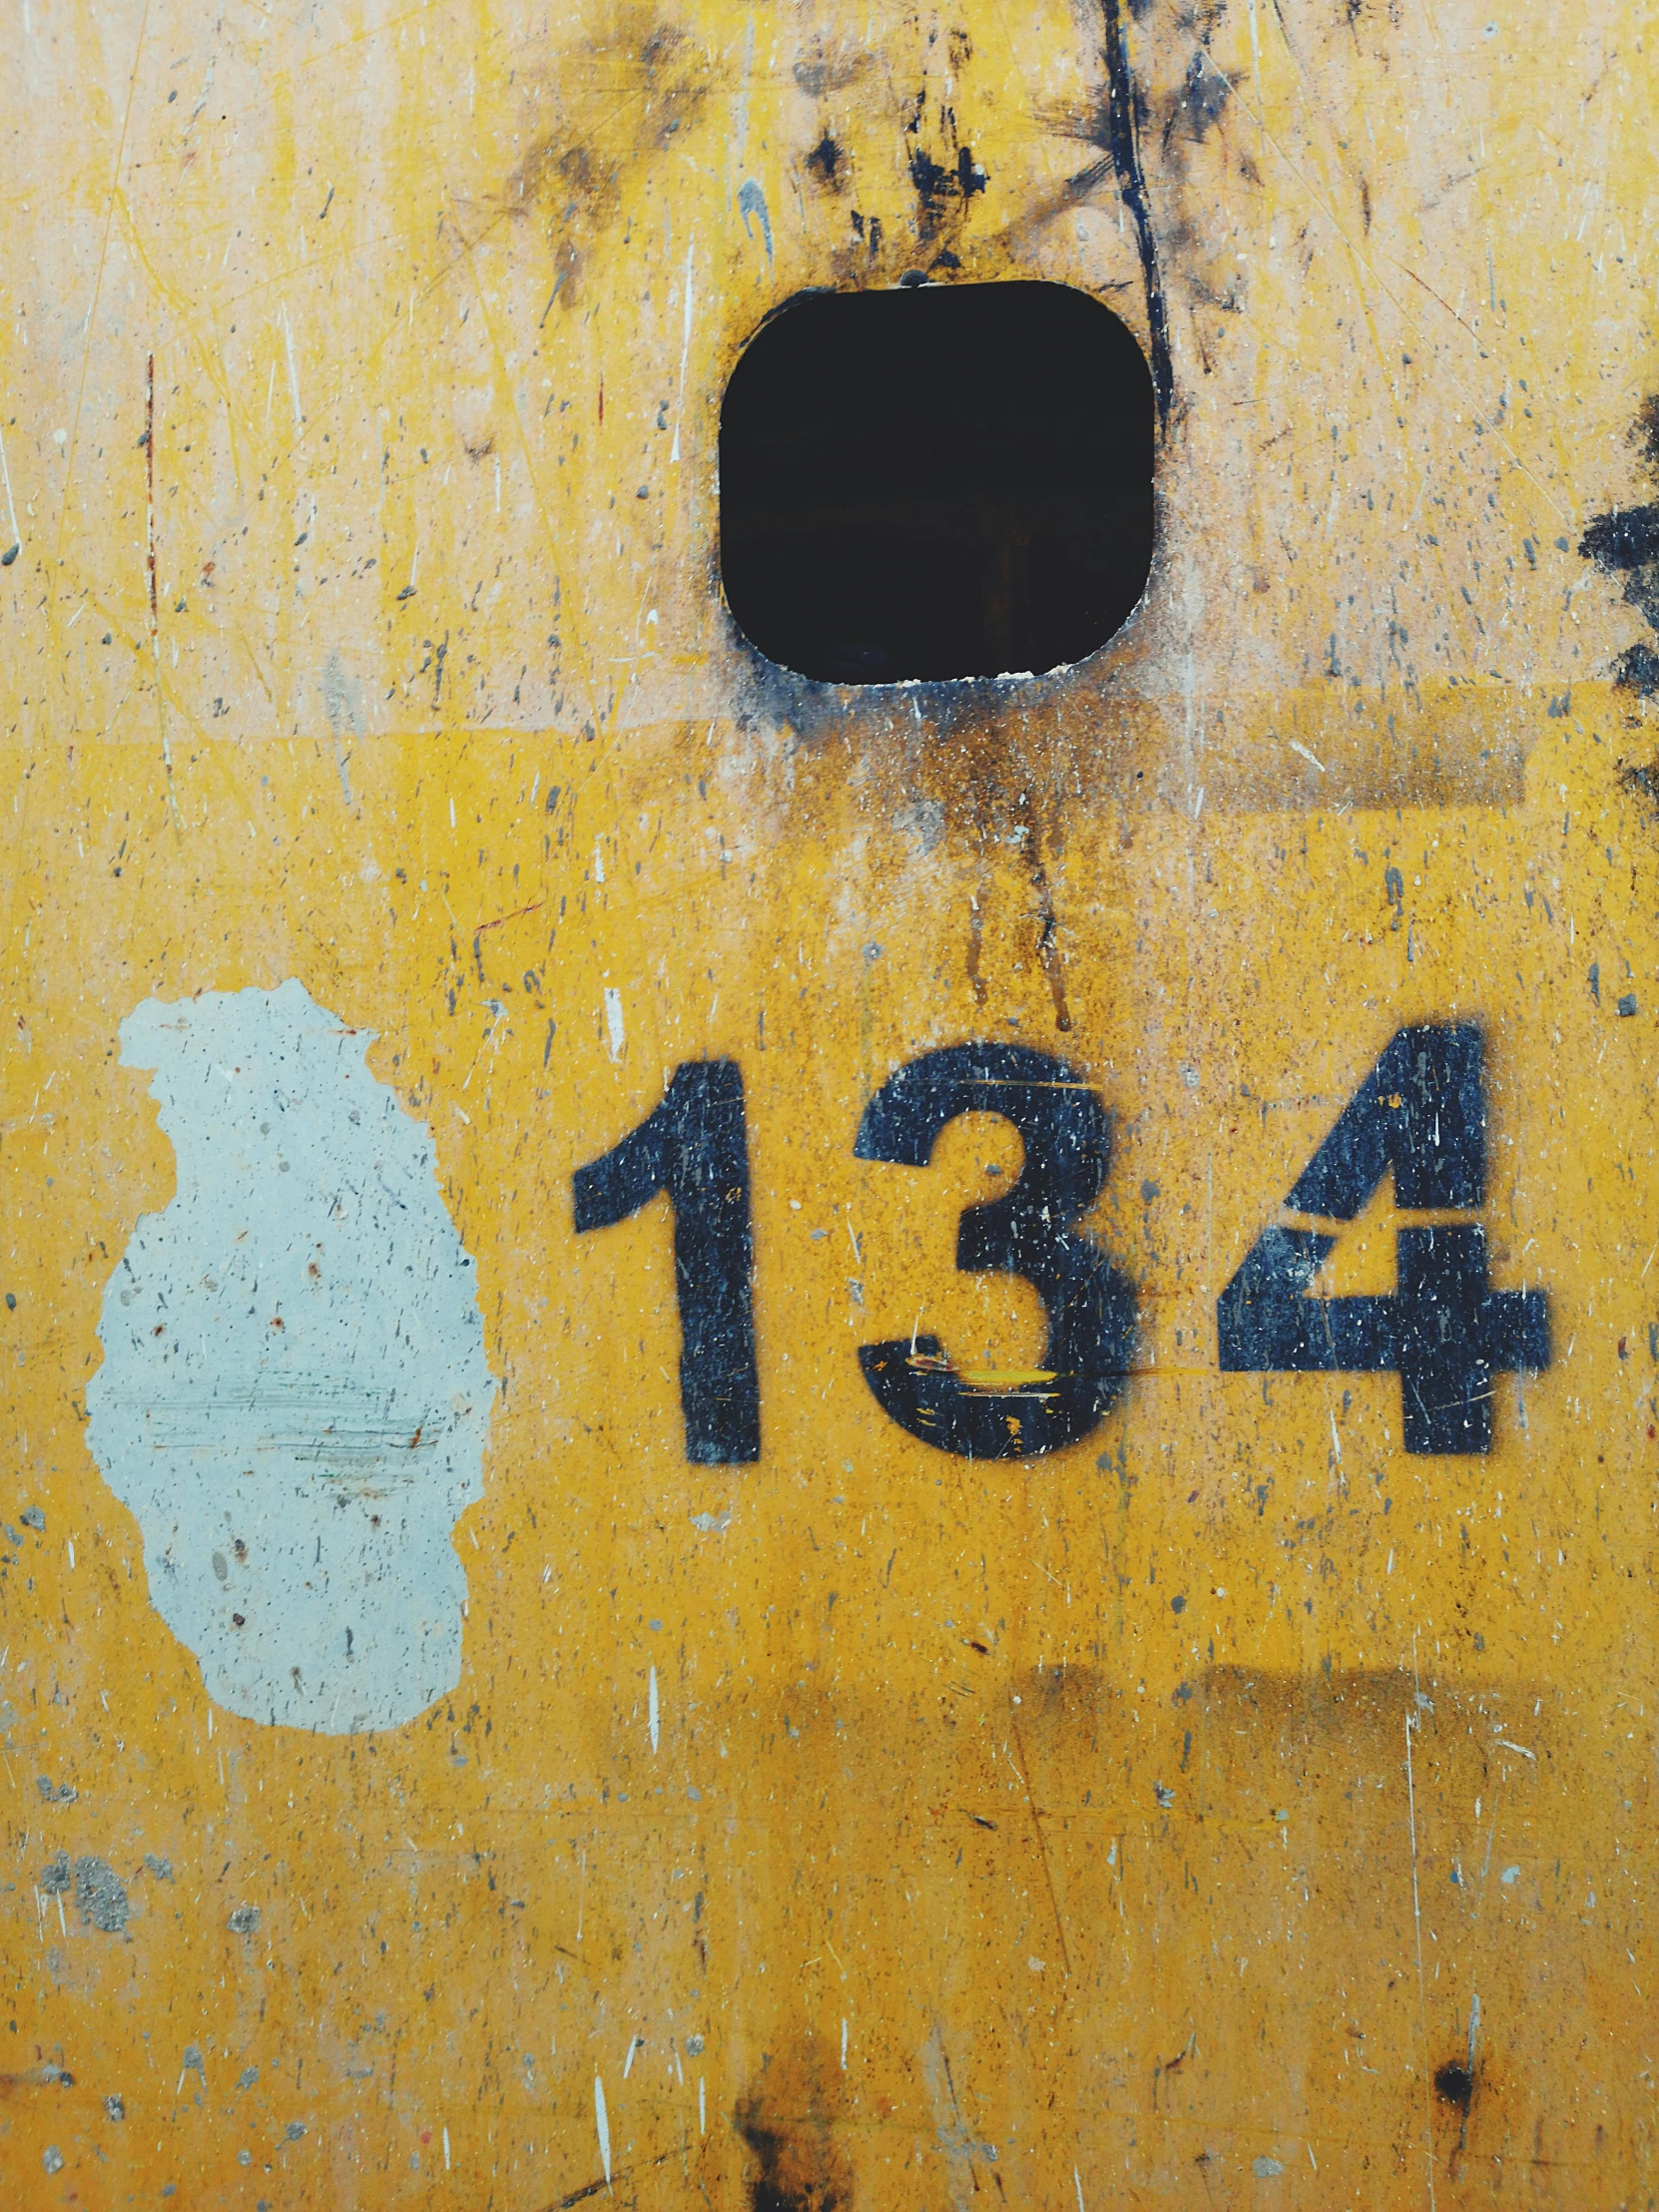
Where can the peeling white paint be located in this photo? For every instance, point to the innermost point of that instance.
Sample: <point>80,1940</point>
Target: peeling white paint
<point>295,1396</point>
<point>602,2125</point>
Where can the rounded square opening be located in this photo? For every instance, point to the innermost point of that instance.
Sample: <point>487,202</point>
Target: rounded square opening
<point>938,482</point>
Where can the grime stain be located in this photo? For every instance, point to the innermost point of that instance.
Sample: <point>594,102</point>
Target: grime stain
<point>789,2118</point>
<point>295,1396</point>
<point>831,66</point>
<point>570,177</point>
<point>100,1898</point>
<point>1198,103</point>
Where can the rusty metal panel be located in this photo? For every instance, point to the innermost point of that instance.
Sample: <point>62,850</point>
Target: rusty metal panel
<point>496,1717</point>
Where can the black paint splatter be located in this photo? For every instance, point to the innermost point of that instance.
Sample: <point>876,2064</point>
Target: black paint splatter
<point>936,186</point>
<point>1625,542</point>
<point>827,160</point>
<point>1125,114</point>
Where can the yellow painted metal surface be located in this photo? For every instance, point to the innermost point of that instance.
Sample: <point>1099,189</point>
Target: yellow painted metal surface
<point>1233,1808</point>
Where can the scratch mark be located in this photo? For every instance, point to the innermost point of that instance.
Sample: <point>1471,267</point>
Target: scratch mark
<point>594,2188</point>
<point>1360,260</point>
<point>98,284</point>
<point>1416,1915</point>
<point>16,544</point>
<point>685,340</point>
<point>954,2140</point>
<point>535,907</point>
<point>1042,1849</point>
<point>294,375</point>
<point>1433,294</point>
<point>149,564</point>
<point>651,1712</point>
<point>507,385</point>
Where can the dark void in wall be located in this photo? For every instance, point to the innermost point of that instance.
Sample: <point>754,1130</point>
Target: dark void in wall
<point>936,481</point>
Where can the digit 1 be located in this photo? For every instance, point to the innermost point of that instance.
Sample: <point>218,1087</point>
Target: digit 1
<point>695,1148</point>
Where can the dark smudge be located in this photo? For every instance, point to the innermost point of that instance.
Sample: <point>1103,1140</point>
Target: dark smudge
<point>829,69</point>
<point>788,2117</point>
<point>1198,105</point>
<point>568,178</point>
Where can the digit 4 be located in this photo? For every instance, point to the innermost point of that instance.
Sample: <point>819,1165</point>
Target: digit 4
<point>1421,1111</point>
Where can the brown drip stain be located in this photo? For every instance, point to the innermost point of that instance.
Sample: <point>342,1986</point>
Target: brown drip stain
<point>1048,952</point>
<point>975,946</point>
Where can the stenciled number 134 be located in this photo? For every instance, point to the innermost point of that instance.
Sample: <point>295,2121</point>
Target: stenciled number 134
<point>1421,1112</point>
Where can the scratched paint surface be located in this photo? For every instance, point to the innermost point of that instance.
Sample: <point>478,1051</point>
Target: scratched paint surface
<point>1233,1808</point>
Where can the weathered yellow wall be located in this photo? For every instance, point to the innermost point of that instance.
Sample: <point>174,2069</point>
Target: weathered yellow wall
<point>1143,1824</point>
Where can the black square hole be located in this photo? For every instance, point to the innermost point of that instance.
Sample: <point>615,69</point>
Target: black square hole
<point>938,481</point>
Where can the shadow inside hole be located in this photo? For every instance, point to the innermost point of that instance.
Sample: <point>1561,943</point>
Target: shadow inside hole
<point>934,483</point>
<point>1454,2085</point>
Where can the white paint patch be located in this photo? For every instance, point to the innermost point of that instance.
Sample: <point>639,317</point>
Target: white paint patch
<point>651,1712</point>
<point>613,1023</point>
<point>602,2122</point>
<point>294,1397</point>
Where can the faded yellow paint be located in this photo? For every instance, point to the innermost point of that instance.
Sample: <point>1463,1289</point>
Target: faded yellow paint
<point>1149,1823</point>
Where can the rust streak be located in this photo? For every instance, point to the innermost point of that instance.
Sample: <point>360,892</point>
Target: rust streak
<point>535,907</point>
